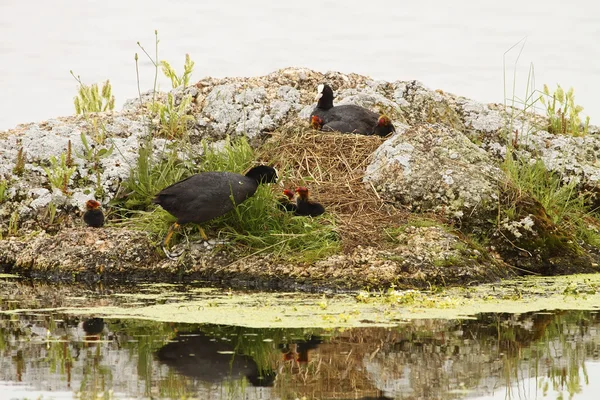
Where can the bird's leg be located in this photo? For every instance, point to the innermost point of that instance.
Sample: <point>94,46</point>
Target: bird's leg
<point>170,232</point>
<point>165,242</point>
<point>202,233</point>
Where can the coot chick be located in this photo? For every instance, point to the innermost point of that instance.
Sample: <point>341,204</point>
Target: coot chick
<point>208,195</point>
<point>384,126</point>
<point>347,118</point>
<point>94,216</point>
<point>306,207</point>
<point>315,122</point>
<point>285,203</point>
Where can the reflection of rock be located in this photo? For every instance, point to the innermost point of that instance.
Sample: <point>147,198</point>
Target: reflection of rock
<point>202,357</point>
<point>437,359</point>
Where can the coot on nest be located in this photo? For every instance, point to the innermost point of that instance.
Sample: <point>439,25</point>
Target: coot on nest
<point>347,118</point>
<point>382,128</point>
<point>93,216</point>
<point>208,195</point>
<point>333,126</point>
<point>306,207</point>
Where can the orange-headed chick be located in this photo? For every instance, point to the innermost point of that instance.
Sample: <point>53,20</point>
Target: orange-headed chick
<point>286,203</point>
<point>93,216</point>
<point>384,126</point>
<point>316,123</point>
<point>306,207</point>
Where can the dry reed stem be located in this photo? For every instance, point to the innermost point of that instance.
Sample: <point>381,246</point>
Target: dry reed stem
<point>332,166</point>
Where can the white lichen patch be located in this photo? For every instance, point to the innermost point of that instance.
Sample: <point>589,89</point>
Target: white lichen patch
<point>434,168</point>
<point>516,228</point>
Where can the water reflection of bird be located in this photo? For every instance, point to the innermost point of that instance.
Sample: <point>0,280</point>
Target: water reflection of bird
<point>200,356</point>
<point>93,326</point>
<point>347,118</point>
<point>93,216</point>
<point>300,353</point>
<point>209,195</point>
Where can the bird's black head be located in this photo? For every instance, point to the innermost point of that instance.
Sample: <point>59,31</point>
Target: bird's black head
<point>263,174</point>
<point>324,96</point>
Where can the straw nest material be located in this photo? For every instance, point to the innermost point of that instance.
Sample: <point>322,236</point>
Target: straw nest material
<point>332,165</point>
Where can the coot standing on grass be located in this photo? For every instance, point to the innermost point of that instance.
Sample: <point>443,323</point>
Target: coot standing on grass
<point>306,207</point>
<point>93,216</point>
<point>208,195</point>
<point>347,118</point>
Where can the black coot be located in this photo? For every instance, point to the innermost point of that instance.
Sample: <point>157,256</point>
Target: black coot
<point>333,126</point>
<point>93,216</point>
<point>208,195</point>
<point>306,207</point>
<point>347,118</point>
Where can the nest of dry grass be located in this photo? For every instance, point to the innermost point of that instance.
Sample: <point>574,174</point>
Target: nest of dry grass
<point>332,166</point>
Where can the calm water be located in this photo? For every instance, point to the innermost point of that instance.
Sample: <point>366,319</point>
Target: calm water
<point>52,354</point>
<point>456,47</point>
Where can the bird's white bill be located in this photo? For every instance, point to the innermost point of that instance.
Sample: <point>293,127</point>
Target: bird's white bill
<point>319,91</point>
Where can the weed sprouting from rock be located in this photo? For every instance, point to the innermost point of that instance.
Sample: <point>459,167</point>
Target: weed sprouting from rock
<point>171,118</point>
<point>59,173</point>
<point>3,189</point>
<point>91,99</point>
<point>19,167</point>
<point>94,152</point>
<point>170,73</point>
<point>13,223</point>
<point>563,113</point>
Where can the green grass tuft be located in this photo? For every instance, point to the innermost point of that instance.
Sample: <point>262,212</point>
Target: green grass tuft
<point>566,206</point>
<point>256,226</point>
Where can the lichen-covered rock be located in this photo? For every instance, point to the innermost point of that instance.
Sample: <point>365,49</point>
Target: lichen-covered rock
<point>420,257</point>
<point>434,168</point>
<point>445,158</point>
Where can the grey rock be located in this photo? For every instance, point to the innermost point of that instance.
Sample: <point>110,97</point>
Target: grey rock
<point>433,168</point>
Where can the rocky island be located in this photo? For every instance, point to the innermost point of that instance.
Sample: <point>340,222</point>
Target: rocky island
<point>461,193</point>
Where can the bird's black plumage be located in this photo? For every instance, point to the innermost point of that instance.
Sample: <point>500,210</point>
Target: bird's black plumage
<point>306,207</point>
<point>208,195</point>
<point>93,217</point>
<point>347,118</point>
